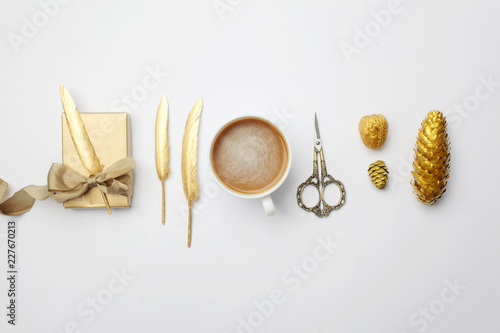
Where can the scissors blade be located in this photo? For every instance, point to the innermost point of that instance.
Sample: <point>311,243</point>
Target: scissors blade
<point>317,137</point>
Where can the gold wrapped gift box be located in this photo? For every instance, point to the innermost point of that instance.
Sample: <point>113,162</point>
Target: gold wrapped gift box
<point>110,135</point>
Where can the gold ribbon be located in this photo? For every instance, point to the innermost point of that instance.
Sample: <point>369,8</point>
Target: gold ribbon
<point>64,183</point>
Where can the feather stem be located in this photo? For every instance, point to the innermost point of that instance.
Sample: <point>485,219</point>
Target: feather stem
<point>106,202</point>
<point>163,202</point>
<point>190,222</point>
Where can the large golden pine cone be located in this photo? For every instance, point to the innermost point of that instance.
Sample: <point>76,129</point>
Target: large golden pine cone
<point>378,174</point>
<point>432,159</point>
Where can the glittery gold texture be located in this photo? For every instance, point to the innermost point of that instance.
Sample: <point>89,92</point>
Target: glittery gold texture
<point>373,130</point>
<point>432,159</point>
<point>378,174</point>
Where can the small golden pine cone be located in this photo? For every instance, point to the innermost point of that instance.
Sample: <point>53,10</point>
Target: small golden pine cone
<point>373,130</point>
<point>378,174</point>
<point>432,159</point>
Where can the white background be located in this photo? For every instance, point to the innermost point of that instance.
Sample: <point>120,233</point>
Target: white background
<point>281,60</point>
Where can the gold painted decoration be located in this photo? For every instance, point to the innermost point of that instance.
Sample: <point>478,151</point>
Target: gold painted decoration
<point>81,139</point>
<point>162,149</point>
<point>379,174</point>
<point>432,159</point>
<point>189,160</point>
<point>373,130</point>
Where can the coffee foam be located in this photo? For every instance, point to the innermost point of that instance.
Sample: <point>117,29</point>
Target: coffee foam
<point>250,156</point>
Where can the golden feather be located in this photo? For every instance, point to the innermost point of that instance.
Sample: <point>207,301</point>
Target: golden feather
<point>162,149</point>
<point>190,160</point>
<point>80,137</point>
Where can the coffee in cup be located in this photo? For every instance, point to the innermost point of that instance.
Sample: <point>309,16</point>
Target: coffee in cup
<point>250,157</point>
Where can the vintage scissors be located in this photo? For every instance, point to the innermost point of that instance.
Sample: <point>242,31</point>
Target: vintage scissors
<point>320,183</point>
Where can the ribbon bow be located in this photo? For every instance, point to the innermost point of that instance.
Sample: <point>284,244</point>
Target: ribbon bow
<point>64,183</point>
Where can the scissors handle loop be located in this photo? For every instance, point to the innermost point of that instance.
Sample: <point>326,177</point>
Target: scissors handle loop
<point>320,185</point>
<point>311,181</point>
<point>326,180</point>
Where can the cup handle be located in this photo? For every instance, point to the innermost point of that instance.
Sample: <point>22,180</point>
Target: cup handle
<point>267,202</point>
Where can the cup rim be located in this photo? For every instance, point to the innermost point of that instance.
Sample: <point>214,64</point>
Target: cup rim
<point>268,191</point>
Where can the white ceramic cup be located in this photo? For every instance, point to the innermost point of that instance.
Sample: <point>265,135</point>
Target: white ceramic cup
<point>265,196</point>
